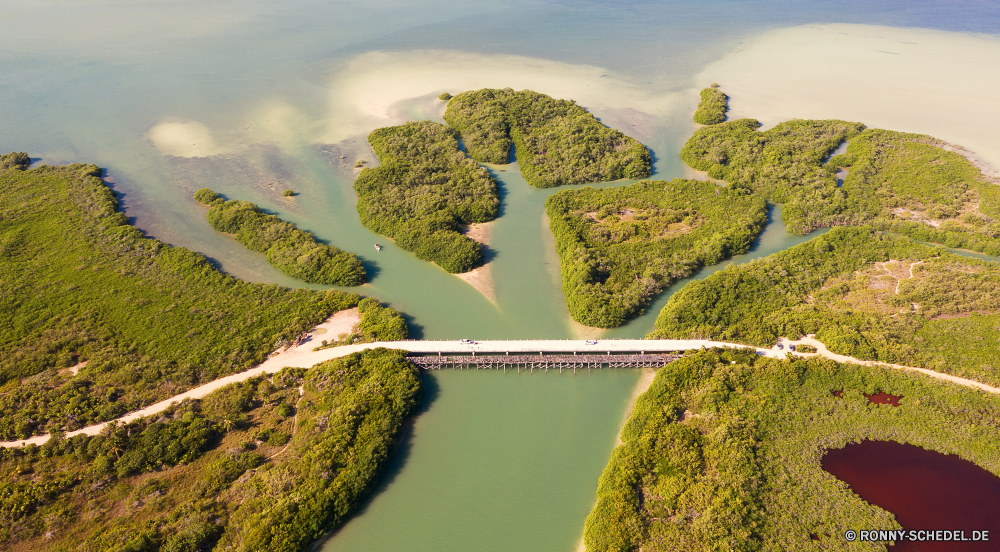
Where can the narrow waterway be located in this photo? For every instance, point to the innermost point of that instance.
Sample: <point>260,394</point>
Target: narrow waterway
<point>495,462</point>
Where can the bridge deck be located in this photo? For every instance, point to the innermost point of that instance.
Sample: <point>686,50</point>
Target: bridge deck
<point>542,362</point>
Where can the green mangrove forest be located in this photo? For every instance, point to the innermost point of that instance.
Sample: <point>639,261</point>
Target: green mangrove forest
<point>723,452</point>
<point>424,191</point>
<point>271,463</point>
<point>556,142</point>
<point>292,251</point>
<point>864,293</point>
<point>910,184</point>
<point>139,320</point>
<point>713,107</point>
<point>619,247</point>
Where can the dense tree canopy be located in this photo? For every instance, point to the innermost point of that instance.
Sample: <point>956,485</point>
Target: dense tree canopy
<point>712,108</point>
<point>619,247</point>
<point>290,250</point>
<point>556,142</point>
<point>78,283</point>
<point>423,191</point>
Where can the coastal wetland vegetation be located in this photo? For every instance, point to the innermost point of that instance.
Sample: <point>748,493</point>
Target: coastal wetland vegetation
<point>863,293</point>
<point>79,284</point>
<point>290,250</point>
<point>556,142</point>
<point>252,466</point>
<point>911,184</point>
<point>713,106</point>
<point>619,247</point>
<point>723,452</point>
<point>424,191</point>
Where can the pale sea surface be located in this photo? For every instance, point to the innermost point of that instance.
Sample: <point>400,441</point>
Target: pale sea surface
<point>262,96</point>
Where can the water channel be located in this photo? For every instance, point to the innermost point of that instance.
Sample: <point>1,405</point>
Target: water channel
<point>270,96</point>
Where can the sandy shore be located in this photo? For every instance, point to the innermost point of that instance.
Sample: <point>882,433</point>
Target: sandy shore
<point>337,326</point>
<point>579,331</point>
<point>912,80</point>
<point>375,89</point>
<point>480,278</point>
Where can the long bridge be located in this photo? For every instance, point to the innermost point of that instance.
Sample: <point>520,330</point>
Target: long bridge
<point>530,354</point>
<point>542,362</point>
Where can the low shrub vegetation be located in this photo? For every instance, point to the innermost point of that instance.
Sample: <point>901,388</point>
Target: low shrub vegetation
<point>422,193</point>
<point>911,184</point>
<point>557,142</point>
<point>863,293</point>
<point>723,452</point>
<point>292,251</point>
<point>784,164</point>
<point>712,108</point>
<point>619,247</point>
<point>79,284</point>
<point>215,474</point>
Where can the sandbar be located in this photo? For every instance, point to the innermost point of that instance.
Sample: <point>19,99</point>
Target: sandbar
<point>481,277</point>
<point>911,80</point>
<point>369,90</point>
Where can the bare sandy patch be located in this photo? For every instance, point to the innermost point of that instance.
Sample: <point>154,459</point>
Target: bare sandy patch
<point>373,89</point>
<point>480,278</point>
<point>75,369</point>
<point>342,323</point>
<point>912,80</point>
<point>579,331</point>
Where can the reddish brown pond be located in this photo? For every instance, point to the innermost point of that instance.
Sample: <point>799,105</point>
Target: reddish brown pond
<point>883,398</point>
<point>925,490</point>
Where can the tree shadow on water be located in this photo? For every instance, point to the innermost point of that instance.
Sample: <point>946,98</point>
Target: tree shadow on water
<point>399,456</point>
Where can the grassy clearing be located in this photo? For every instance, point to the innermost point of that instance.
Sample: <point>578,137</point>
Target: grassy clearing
<point>911,184</point>
<point>863,293</point>
<point>77,283</point>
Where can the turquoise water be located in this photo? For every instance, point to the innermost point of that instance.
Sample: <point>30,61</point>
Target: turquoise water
<point>496,461</point>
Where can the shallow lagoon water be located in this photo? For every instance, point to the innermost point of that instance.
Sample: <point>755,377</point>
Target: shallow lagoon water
<point>496,462</point>
<point>276,93</point>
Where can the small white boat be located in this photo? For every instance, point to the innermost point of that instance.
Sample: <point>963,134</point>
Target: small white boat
<point>378,247</point>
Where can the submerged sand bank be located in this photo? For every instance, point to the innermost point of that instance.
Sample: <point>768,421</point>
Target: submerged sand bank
<point>367,91</point>
<point>912,80</point>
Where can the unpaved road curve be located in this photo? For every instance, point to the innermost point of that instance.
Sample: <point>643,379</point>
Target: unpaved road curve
<point>304,357</point>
